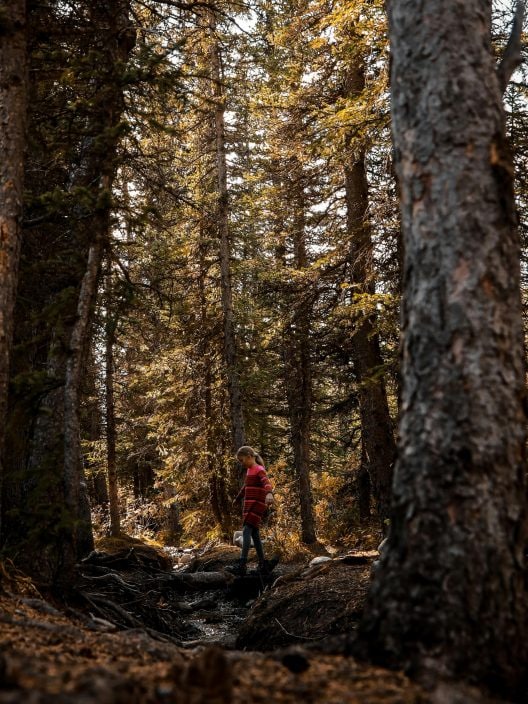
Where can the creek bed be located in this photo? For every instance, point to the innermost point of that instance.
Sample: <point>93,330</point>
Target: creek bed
<point>219,625</point>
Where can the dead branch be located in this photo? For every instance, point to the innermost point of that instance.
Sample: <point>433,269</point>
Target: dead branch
<point>101,604</point>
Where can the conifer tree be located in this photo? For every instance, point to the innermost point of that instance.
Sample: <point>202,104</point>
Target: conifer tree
<point>13,114</point>
<point>79,89</point>
<point>450,592</point>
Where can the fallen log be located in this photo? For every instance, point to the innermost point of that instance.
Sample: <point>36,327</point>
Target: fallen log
<point>244,587</point>
<point>190,581</point>
<point>205,580</point>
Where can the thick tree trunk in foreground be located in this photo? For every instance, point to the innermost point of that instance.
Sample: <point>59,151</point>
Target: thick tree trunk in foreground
<point>13,110</point>
<point>378,448</point>
<point>450,593</point>
<point>46,510</point>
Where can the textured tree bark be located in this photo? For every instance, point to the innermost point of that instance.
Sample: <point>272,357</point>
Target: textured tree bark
<point>46,494</point>
<point>288,183</point>
<point>111,100</point>
<point>217,483</point>
<point>100,488</point>
<point>230,353</point>
<point>378,447</point>
<point>73,472</point>
<point>297,352</point>
<point>92,430</point>
<point>115,523</point>
<point>364,491</point>
<point>13,114</point>
<point>450,593</point>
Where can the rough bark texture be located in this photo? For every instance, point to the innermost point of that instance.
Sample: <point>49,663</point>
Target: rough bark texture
<point>115,523</point>
<point>13,109</point>
<point>74,493</point>
<point>217,483</point>
<point>46,502</point>
<point>92,430</point>
<point>233,380</point>
<point>111,100</point>
<point>378,447</point>
<point>298,364</point>
<point>451,593</point>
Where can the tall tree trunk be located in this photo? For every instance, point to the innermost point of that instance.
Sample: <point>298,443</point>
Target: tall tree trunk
<point>297,347</point>
<point>46,489</point>
<point>233,380</point>
<point>451,590</point>
<point>116,21</point>
<point>217,482</point>
<point>378,447</point>
<point>115,523</point>
<point>13,113</point>
<point>91,429</point>
<point>75,497</point>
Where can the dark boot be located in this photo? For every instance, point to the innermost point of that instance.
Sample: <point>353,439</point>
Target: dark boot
<point>266,567</point>
<point>263,568</point>
<point>239,568</point>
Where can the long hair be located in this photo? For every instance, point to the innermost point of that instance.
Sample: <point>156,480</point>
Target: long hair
<point>247,451</point>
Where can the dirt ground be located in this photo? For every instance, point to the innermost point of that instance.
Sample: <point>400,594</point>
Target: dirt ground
<point>48,657</point>
<point>307,605</point>
<point>52,654</point>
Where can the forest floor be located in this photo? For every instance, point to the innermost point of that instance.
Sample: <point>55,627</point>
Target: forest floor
<point>134,633</point>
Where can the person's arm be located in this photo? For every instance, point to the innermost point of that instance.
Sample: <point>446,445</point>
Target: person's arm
<point>266,484</point>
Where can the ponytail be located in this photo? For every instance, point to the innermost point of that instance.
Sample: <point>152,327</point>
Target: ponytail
<point>247,451</point>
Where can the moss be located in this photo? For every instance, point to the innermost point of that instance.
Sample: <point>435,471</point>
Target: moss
<point>113,544</point>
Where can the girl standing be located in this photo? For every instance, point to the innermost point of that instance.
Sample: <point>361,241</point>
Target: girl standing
<point>258,495</point>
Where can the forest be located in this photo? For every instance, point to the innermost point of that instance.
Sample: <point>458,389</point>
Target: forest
<point>263,268</point>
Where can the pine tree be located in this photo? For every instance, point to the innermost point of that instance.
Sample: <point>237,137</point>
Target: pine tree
<point>13,114</point>
<point>78,93</point>
<point>450,592</point>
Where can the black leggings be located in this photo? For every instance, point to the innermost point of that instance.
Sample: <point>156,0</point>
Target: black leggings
<point>249,532</point>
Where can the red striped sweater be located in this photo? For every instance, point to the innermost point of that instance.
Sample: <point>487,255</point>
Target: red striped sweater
<point>255,488</point>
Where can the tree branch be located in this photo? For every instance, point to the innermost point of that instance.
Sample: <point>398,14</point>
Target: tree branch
<point>512,54</point>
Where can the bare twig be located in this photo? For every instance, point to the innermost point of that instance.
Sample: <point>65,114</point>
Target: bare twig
<point>292,635</point>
